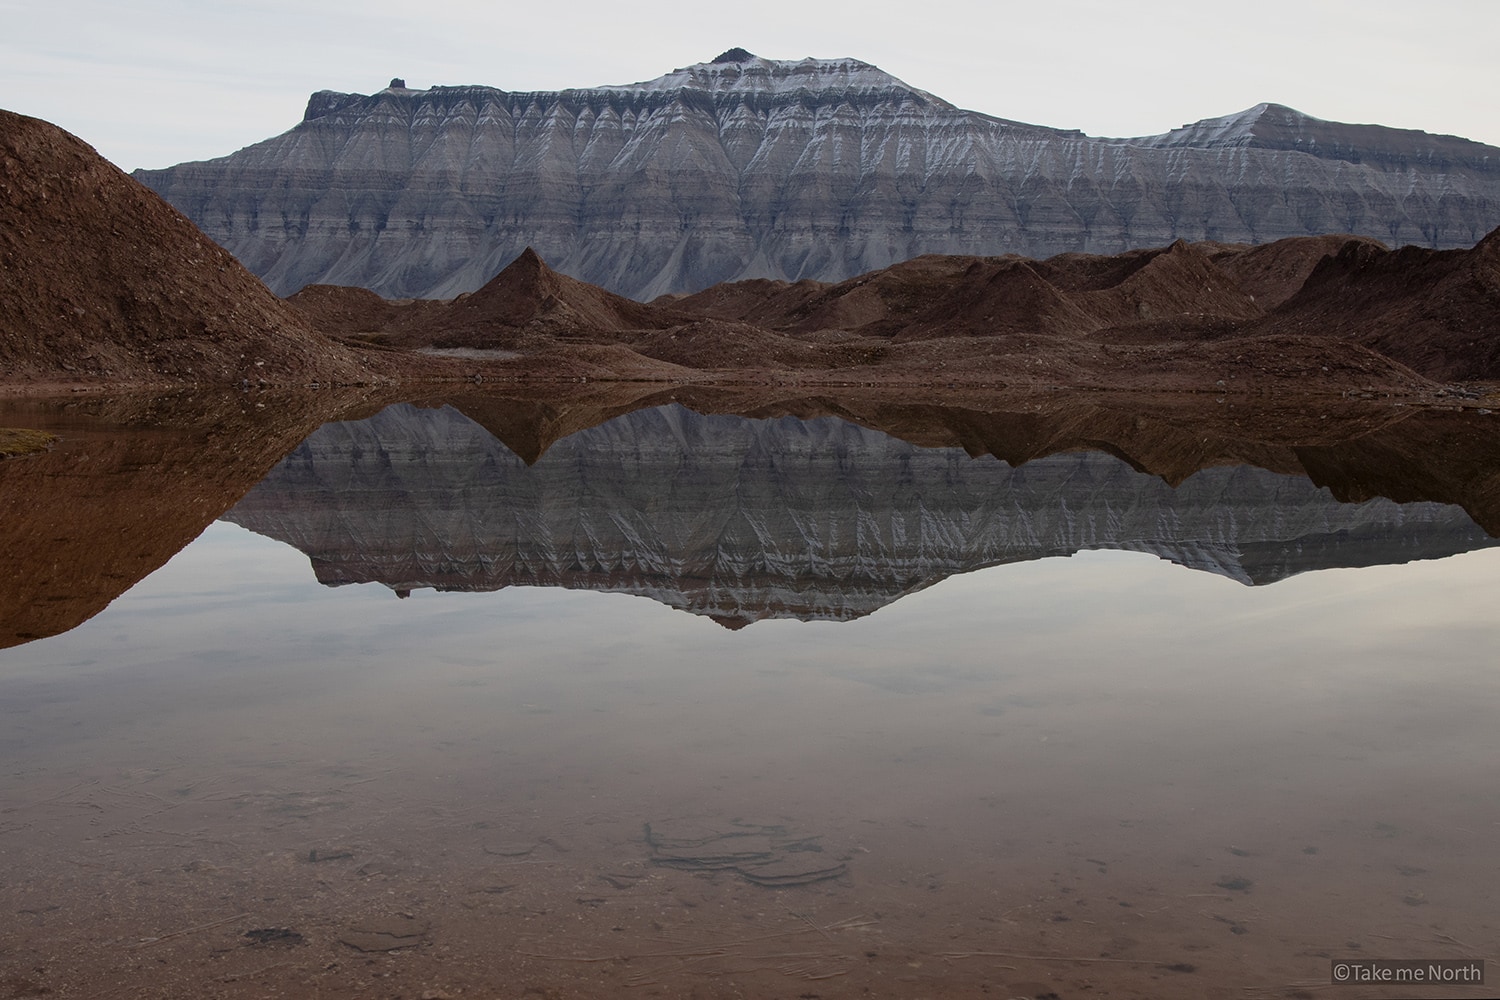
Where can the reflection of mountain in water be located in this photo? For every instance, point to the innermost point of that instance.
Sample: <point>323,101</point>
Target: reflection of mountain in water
<point>745,519</point>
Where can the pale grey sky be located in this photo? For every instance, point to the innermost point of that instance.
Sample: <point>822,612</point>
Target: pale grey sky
<point>154,82</point>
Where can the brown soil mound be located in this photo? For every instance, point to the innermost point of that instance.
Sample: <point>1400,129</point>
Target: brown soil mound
<point>1437,311</point>
<point>935,296</point>
<point>1273,272</point>
<point>528,298</point>
<point>525,308</point>
<point>1434,312</point>
<point>356,312</point>
<point>101,278</point>
<point>759,300</point>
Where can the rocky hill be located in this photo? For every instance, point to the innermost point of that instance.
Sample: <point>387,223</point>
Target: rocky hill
<point>820,169</point>
<point>1328,313</point>
<point>101,279</point>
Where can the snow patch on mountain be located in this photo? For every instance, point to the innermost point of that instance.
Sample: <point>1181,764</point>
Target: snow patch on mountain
<point>781,78</point>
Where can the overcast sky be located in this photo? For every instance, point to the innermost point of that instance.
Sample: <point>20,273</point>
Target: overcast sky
<point>155,82</point>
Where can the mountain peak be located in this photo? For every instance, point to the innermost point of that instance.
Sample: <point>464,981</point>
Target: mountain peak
<point>1243,128</point>
<point>740,72</point>
<point>1278,127</point>
<point>745,167</point>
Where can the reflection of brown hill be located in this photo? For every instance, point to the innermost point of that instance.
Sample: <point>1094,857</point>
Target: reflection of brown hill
<point>529,425</point>
<point>99,276</point>
<point>1430,456</point>
<point>132,481</point>
<point>1359,449</point>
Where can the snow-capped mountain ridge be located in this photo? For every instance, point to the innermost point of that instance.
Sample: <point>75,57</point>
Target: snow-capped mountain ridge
<point>1278,127</point>
<point>739,72</point>
<point>745,167</point>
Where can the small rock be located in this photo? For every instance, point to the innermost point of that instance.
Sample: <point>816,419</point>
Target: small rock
<point>274,935</point>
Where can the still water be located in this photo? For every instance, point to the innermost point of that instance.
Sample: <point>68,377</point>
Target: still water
<point>898,744</point>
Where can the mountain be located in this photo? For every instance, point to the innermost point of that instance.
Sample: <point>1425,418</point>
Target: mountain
<point>99,278</point>
<point>745,519</point>
<point>820,169</point>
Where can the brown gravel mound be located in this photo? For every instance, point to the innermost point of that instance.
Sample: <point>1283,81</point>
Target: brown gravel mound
<point>529,299</point>
<point>1434,312</point>
<point>1273,272</point>
<point>939,296</point>
<point>761,301</point>
<point>101,279</point>
<point>525,308</point>
<point>1437,311</point>
<point>339,310</point>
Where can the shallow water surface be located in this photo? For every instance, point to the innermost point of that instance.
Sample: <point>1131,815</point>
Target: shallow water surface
<point>1103,775</point>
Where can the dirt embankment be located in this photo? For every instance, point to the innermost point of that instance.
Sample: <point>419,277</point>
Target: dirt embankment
<point>102,280</point>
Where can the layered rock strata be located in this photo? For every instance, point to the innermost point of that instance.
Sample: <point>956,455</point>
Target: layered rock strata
<point>755,168</point>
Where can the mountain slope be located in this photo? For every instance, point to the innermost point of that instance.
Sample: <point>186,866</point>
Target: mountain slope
<point>754,168</point>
